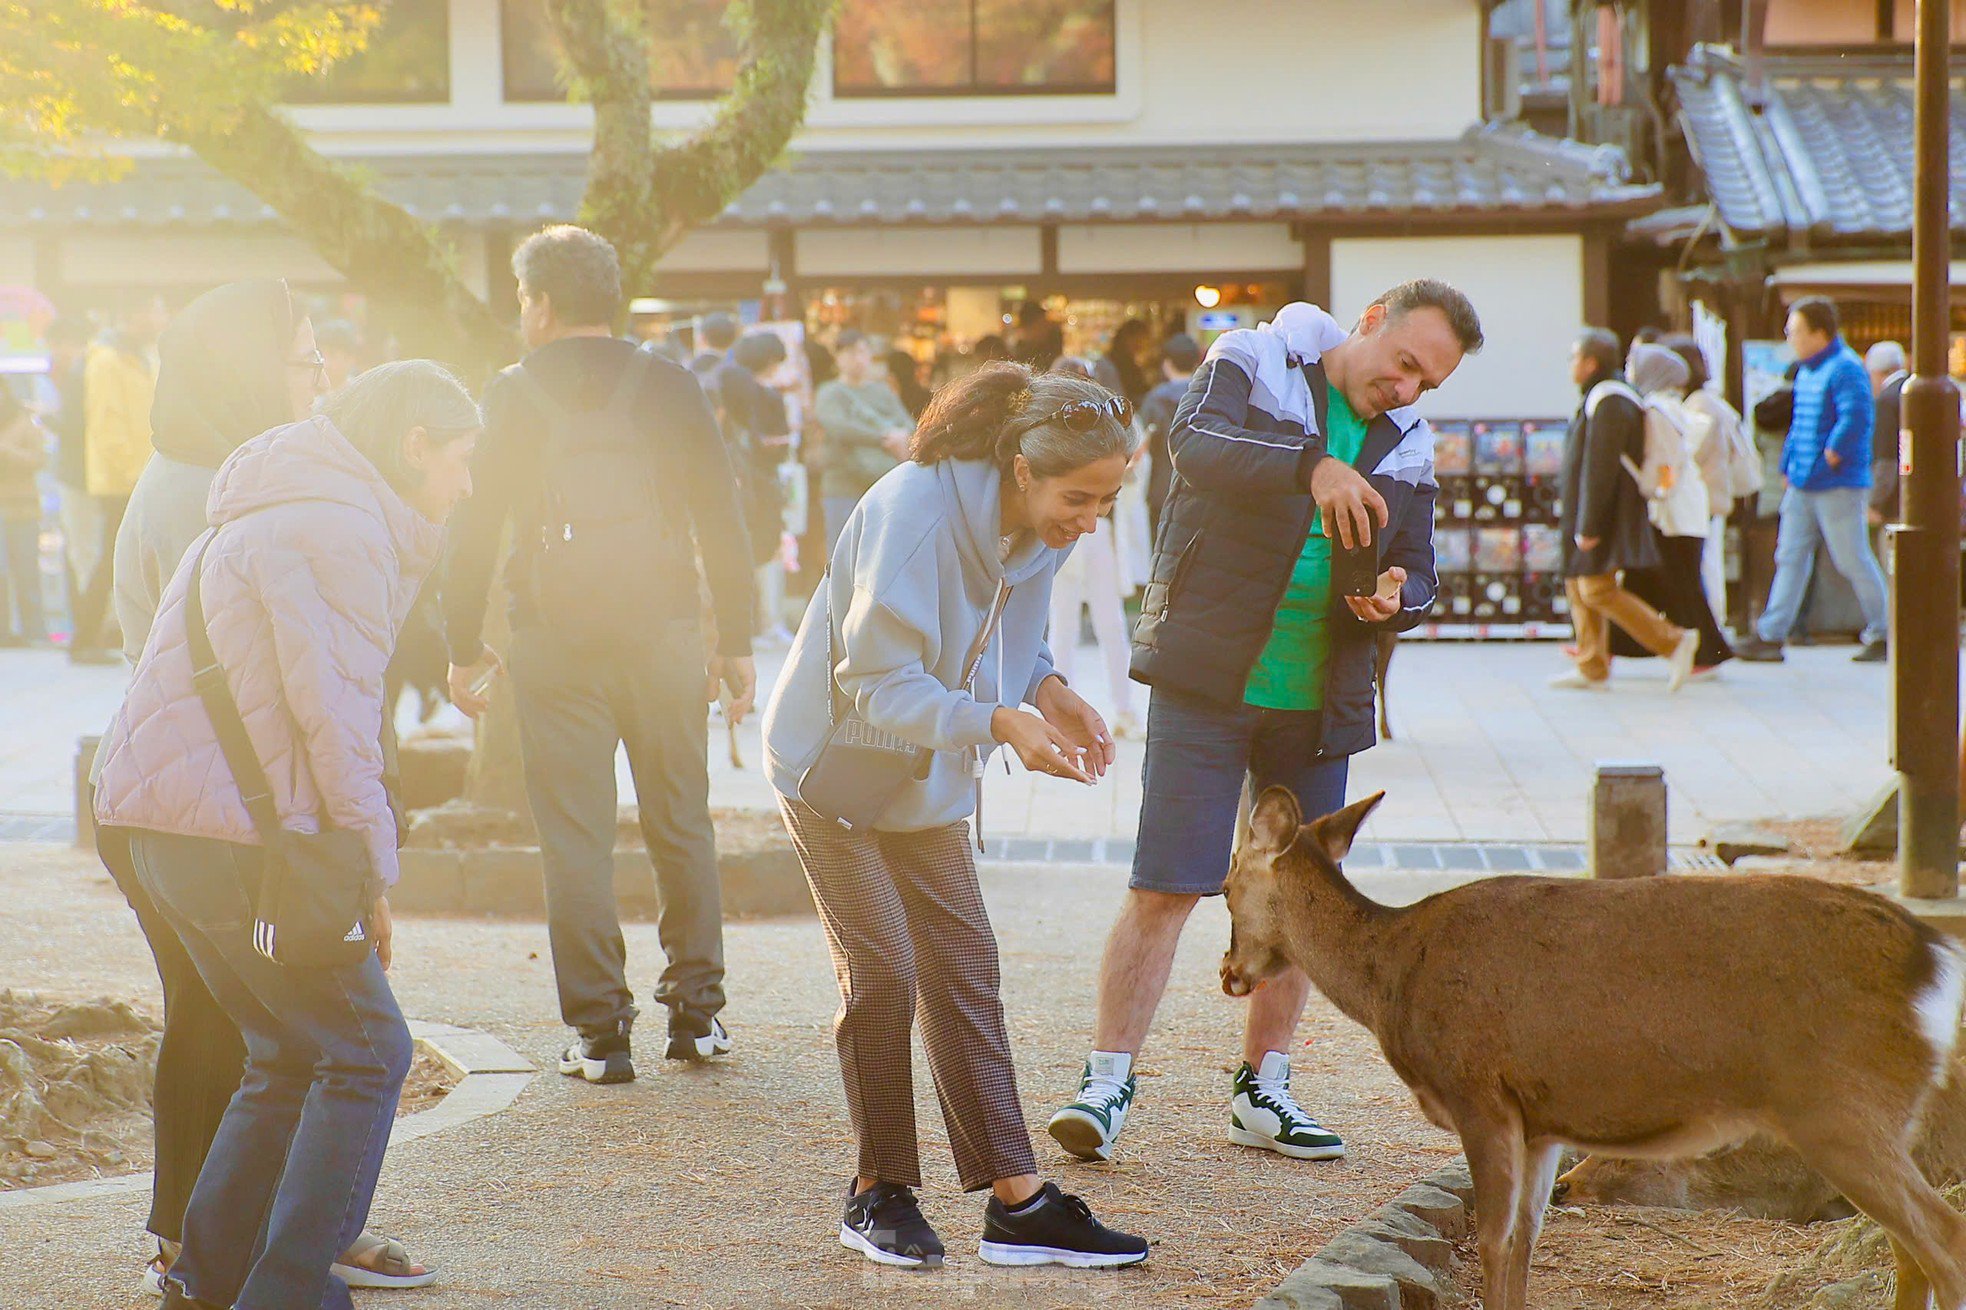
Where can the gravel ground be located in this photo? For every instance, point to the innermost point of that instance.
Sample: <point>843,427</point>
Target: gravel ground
<point>714,1187</point>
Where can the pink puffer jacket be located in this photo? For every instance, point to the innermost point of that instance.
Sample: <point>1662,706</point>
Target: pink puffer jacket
<point>314,566</point>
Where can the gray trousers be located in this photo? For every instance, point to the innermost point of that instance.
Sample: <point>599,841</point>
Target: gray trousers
<point>576,703</point>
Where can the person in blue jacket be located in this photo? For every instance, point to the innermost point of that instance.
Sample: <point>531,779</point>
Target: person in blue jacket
<point>1826,463</point>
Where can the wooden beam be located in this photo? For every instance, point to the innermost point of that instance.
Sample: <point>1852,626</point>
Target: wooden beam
<point>1597,277</point>
<point>1317,264</point>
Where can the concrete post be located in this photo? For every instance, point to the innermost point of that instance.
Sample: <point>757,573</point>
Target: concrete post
<point>1627,834</point>
<point>85,818</point>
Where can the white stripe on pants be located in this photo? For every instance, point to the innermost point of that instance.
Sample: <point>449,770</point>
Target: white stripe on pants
<point>1090,576</point>
<point>1713,567</point>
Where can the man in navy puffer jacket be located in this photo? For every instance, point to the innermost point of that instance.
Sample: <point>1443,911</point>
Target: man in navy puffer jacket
<point>1826,462</point>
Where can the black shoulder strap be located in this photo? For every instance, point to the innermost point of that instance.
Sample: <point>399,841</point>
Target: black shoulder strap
<point>1320,397</point>
<point>208,677</point>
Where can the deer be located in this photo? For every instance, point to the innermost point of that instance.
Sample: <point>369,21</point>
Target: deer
<point>1649,1017</point>
<point>1762,1177</point>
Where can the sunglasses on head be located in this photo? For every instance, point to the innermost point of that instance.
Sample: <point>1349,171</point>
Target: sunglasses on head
<point>1084,415</point>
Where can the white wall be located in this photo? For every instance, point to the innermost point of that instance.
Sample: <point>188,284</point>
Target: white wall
<point>903,252</point>
<point>1528,290</point>
<point>1163,247</point>
<point>196,258</point>
<point>1186,72</point>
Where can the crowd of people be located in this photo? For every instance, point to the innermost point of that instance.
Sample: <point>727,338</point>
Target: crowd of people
<point>258,518</point>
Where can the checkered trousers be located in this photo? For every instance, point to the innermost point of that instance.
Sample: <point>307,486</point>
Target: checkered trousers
<point>904,918</point>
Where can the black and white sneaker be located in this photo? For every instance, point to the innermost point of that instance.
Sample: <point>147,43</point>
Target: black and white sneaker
<point>1055,1228</point>
<point>885,1224</point>
<point>603,1059</point>
<point>691,1038</point>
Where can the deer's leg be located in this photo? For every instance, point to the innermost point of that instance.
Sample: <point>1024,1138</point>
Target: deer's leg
<point>1495,1159</point>
<point>1914,1290</point>
<point>1928,1236</point>
<point>1532,1203</point>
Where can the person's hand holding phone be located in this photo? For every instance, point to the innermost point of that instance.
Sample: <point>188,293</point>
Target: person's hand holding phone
<point>470,684</point>
<point>1383,603</point>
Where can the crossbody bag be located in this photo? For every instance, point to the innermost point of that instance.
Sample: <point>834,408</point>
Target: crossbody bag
<point>862,768</point>
<point>313,904</point>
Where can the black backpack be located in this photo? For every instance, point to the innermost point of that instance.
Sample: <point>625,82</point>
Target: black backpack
<point>603,526</point>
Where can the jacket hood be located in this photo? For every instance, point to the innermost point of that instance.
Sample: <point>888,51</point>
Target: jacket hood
<point>1306,332</point>
<point>972,489</point>
<point>311,461</point>
<point>221,373</point>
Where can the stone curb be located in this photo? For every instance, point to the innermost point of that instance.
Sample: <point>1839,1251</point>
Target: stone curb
<point>1396,1259</point>
<point>490,1077</point>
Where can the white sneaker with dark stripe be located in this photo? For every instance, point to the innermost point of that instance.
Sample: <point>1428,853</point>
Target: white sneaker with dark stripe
<point>1264,1114</point>
<point>1088,1127</point>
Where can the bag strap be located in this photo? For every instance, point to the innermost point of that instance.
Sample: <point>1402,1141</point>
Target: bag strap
<point>971,662</point>
<point>208,677</point>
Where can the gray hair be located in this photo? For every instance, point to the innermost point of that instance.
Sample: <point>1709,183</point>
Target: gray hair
<point>1885,357</point>
<point>376,410</point>
<point>577,271</point>
<point>1004,410</point>
<point>1432,293</point>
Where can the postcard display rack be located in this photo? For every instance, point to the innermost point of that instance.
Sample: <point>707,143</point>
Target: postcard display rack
<point>1495,535</point>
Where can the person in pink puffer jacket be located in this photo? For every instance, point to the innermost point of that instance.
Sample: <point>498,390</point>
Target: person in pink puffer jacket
<point>322,532</point>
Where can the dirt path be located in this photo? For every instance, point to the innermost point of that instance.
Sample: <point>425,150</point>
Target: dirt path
<point>717,1187</point>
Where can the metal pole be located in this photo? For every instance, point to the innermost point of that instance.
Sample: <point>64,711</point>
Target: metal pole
<point>1925,590</point>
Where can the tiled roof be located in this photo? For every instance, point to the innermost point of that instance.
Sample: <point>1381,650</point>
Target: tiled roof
<point>1490,170</point>
<point>1829,155</point>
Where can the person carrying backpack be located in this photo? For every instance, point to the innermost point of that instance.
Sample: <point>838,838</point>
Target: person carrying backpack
<point>1605,525</point>
<point>609,461</point>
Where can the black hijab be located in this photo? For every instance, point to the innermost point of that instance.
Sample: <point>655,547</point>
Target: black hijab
<point>222,372</point>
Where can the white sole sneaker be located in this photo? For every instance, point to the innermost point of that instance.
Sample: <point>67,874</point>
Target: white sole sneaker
<point>700,1048</point>
<point>1244,1137</point>
<point>1682,658</point>
<point>853,1241</point>
<point>575,1065</point>
<point>1001,1253</point>
<point>1574,681</point>
<point>1081,1135</point>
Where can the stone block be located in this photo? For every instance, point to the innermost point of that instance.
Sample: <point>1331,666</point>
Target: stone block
<point>432,882</point>
<point>1410,1234</point>
<point>433,770</point>
<point>1437,1208</point>
<point>1736,841</point>
<point>1627,821</point>
<point>1874,828</point>
<point>1454,1179</point>
<point>1382,1256</point>
<point>502,880</point>
<point>1319,1284</point>
<point>85,815</point>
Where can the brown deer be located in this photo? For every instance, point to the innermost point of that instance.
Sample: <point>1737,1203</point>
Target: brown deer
<point>1651,1017</point>
<point>1761,1176</point>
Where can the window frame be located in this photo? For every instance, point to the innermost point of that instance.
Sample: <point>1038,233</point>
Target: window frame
<point>315,93</point>
<point>558,96</point>
<point>972,90</point>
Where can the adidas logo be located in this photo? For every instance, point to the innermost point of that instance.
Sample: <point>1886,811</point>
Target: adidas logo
<point>356,934</point>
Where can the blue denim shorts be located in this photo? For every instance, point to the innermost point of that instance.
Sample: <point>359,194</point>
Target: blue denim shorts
<point>1199,751</point>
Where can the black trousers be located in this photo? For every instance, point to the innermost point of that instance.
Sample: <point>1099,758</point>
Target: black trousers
<point>1677,591</point>
<point>200,1059</point>
<point>92,606</point>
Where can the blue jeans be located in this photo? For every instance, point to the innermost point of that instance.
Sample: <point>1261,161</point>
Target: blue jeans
<point>1198,753</point>
<point>1836,519</point>
<point>287,1185</point>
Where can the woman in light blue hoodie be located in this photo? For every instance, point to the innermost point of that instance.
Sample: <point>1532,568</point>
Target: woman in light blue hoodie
<point>930,626</point>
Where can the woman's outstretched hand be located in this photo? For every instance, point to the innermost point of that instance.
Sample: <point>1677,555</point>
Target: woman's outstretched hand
<point>1042,748</point>
<point>1073,715</point>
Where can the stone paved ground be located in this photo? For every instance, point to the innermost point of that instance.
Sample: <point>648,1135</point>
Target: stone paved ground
<point>716,1187</point>
<point>1485,751</point>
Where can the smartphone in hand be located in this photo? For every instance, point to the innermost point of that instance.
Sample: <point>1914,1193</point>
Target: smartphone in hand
<point>1355,571</point>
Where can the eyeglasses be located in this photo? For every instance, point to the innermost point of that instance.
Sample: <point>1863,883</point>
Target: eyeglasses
<point>316,363</point>
<point>1084,415</point>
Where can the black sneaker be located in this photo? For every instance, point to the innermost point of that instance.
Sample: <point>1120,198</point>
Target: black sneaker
<point>1756,651</point>
<point>1874,652</point>
<point>604,1059</point>
<point>1055,1229</point>
<point>691,1038</point>
<point>884,1224</point>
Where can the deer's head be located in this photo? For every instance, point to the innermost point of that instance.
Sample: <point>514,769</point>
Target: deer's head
<point>1279,845</point>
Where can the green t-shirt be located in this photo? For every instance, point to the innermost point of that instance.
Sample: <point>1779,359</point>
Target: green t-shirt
<point>1289,674</point>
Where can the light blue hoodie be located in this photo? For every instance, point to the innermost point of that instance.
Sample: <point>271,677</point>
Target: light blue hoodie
<point>912,582</point>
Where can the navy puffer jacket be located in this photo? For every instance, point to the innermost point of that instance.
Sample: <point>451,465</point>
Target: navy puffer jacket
<point>1243,441</point>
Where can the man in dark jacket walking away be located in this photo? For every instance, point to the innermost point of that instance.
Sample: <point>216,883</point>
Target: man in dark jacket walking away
<point>1826,462</point>
<point>1180,356</point>
<point>1292,437</point>
<point>609,461</point>
<point>1604,523</point>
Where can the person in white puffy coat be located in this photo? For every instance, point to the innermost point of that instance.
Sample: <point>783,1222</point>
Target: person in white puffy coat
<point>1681,507</point>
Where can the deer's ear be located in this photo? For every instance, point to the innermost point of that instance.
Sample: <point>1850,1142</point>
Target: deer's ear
<point>1274,824</point>
<point>1335,832</point>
